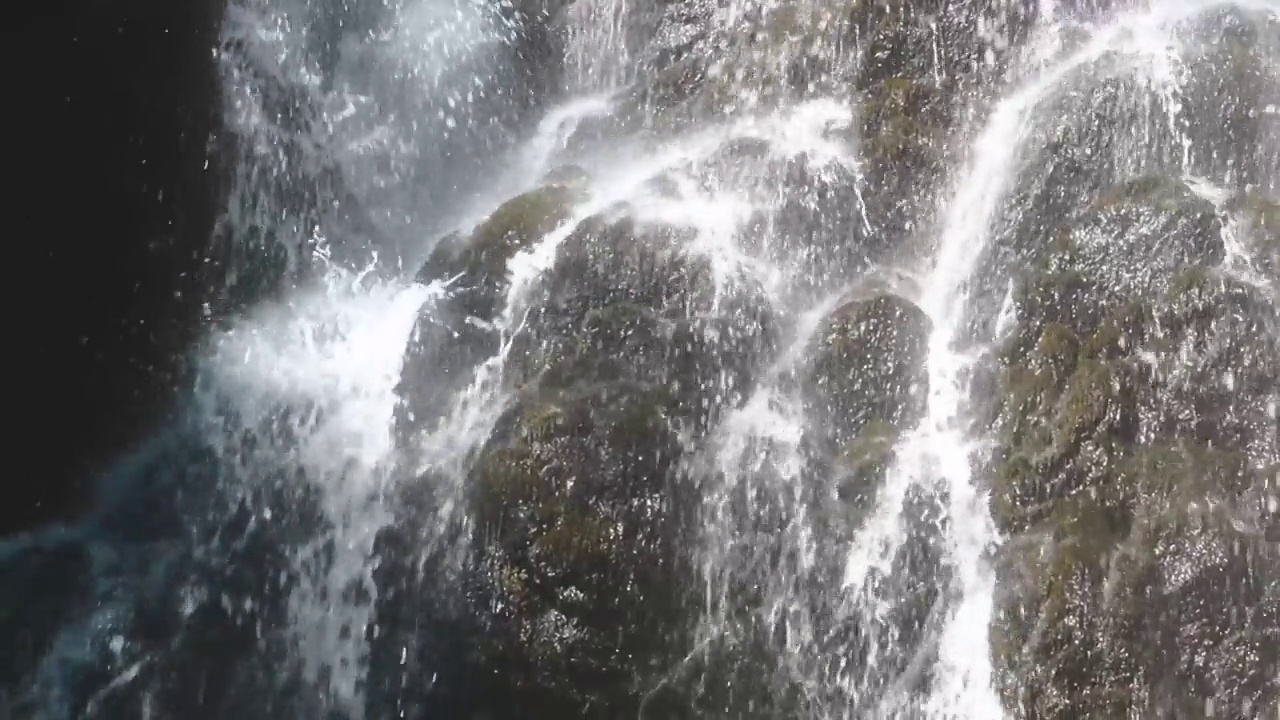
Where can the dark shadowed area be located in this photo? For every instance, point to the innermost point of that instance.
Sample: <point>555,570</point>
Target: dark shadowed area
<point>110,108</point>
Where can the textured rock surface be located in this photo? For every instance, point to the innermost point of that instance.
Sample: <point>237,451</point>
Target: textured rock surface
<point>1138,450</point>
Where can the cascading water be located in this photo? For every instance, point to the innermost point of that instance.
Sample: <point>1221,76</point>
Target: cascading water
<point>808,359</point>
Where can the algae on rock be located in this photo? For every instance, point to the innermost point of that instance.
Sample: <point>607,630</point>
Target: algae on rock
<point>1135,438</point>
<point>453,336</point>
<point>868,364</point>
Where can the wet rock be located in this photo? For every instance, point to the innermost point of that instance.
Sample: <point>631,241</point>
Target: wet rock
<point>455,334</point>
<point>1126,243</point>
<point>570,176</point>
<point>572,589</point>
<point>1093,140</point>
<point>1259,218</point>
<point>622,259</point>
<point>823,225</point>
<point>861,466</point>
<point>868,365</point>
<point>631,299</point>
<point>1230,82</point>
<point>636,346</point>
<point>704,68</point>
<point>938,39</point>
<point>579,537</point>
<point>1165,227</point>
<point>477,264</point>
<point>920,65</point>
<point>902,141</point>
<point>1137,431</point>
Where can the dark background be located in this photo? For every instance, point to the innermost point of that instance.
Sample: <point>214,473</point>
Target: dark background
<point>108,110</point>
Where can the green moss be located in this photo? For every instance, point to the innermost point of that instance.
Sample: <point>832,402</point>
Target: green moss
<point>569,176</point>
<point>619,340</point>
<point>1121,457</point>
<point>1174,475</point>
<point>518,222</point>
<point>507,478</point>
<point>1056,292</point>
<point>864,461</point>
<point>900,126</point>
<point>1262,212</point>
<point>1014,478</point>
<point>1120,333</point>
<point>569,500</point>
<point>1057,351</point>
<point>543,423</point>
<point>1090,394</point>
<point>1027,398</point>
<point>1153,191</point>
<point>868,363</point>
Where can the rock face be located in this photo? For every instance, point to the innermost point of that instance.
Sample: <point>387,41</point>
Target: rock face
<point>1136,473</point>
<point>451,339</point>
<point>580,510</point>
<point>631,350</point>
<point>868,367</point>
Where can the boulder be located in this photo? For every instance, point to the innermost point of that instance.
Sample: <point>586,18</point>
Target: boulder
<point>577,526</point>
<point>867,365</point>
<point>571,593</point>
<point>456,334</point>
<point>628,299</point>
<point>1136,442</point>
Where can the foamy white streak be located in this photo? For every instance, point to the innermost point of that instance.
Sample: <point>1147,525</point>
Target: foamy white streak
<point>938,451</point>
<point>335,351</point>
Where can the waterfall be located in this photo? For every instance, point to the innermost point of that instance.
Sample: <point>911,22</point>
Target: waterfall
<point>738,359</point>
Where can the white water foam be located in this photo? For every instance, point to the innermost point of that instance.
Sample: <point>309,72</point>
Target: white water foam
<point>333,355</point>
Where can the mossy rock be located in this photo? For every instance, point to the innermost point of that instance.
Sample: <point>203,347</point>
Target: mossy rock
<point>661,103</point>
<point>1130,440</point>
<point>862,464</point>
<point>479,260</point>
<point>820,230</point>
<point>902,140</point>
<point>568,176</point>
<point>767,56</point>
<point>578,523</point>
<point>453,336</point>
<point>1061,296</point>
<point>867,363</point>
<point>1141,232</point>
<point>1230,81</point>
<point>1214,338</point>
<point>1260,218</point>
<point>1078,151</point>
<point>706,363</point>
<point>902,124</point>
<point>445,348</point>
<point>618,341</point>
<point>1137,242</point>
<point>1104,610</point>
<point>609,260</point>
